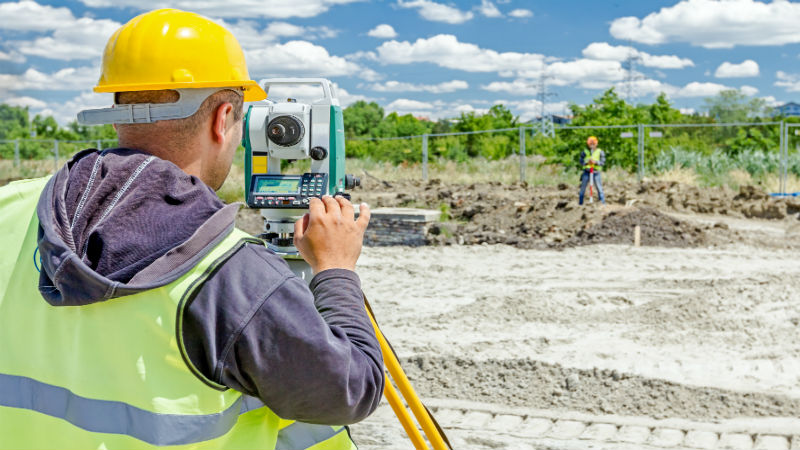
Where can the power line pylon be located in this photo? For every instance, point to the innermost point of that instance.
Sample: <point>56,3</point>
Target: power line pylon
<point>546,119</point>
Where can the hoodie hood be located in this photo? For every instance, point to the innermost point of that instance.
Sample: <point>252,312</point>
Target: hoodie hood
<point>121,221</point>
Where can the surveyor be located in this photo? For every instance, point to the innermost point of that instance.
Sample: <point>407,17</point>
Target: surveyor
<point>154,321</point>
<point>592,160</point>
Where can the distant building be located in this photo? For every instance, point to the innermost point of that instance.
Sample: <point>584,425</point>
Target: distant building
<point>790,109</point>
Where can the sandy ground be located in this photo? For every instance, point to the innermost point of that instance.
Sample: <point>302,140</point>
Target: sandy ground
<point>500,339</point>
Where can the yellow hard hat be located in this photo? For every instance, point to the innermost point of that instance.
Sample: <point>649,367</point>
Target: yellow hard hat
<point>591,138</point>
<point>173,49</point>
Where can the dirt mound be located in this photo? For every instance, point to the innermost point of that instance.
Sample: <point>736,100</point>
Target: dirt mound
<point>535,384</point>
<point>549,216</point>
<point>657,229</point>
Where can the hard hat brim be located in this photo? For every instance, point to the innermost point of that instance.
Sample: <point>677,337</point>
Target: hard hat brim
<point>252,91</point>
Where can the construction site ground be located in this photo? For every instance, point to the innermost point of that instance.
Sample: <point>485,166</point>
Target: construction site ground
<point>532,322</point>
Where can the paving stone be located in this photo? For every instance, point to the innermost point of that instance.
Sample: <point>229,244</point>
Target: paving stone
<point>534,426</point>
<point>771,442</point>
<point>504,422</point>
<point>567,429</point>
<point>735,441</point>
<point>701,439</point>
<point>475,419</point>
<point>633,434</point>
<point>599,432</point>
<point>795,442</point>
<point>666,437</point>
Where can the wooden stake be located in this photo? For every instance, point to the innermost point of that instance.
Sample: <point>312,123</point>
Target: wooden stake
<point>637,236</point>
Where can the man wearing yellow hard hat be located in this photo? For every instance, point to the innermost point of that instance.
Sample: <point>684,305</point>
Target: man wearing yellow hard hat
<point>592,161</point>
<point>133,314</point>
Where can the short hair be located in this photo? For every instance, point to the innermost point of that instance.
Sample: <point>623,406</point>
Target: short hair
<point>177,131</point>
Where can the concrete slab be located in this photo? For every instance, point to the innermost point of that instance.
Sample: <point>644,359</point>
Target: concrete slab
<point>633,434</point>
<point>567,429</point>
<point>600,432</point>
<point>701,439</point>
<point>406,214</point>
<point>534,426</point>
<point>667,437</point>
<point>735,441</point>
<point>771,442</point>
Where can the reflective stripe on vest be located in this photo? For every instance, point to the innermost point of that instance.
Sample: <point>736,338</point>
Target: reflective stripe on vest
<point>111,374</point>
<point>593,156</point>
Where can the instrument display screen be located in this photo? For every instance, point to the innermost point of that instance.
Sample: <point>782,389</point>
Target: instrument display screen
<point>277,185</point>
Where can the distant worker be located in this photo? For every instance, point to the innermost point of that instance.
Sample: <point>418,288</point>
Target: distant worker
<point>133,314</point>
<point>592,160</point>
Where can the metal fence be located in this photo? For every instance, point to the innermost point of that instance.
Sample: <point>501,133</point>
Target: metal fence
<point>651,143</point>
<point>53,148</point>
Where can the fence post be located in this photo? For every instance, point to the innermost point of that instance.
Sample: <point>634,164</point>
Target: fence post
<point>640,147</point>
<point>782,147</point>
<point>55,153</point>
<point>16,152</point>
<point>99,144</point>
<point>521,154</point>
<point>424,157</point>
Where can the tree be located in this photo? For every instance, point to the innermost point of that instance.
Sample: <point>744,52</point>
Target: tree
<point>733,106</point>
<point>362,118</point>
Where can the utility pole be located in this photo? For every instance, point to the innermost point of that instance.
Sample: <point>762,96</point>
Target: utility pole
<point>546,119</point>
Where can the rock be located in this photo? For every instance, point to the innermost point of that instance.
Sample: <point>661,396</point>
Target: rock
<point>572,382</point>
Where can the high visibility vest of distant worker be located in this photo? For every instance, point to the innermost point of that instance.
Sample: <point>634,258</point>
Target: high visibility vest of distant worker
<point>592,155</point>
<point>114,374</point>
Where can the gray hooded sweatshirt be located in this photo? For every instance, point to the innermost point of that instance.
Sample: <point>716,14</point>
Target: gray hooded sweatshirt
<point>121,221</point>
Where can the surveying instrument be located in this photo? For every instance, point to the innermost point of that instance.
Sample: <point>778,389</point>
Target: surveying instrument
<point>291,131</point>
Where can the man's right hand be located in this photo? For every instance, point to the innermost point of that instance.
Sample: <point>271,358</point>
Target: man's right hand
<point>328,236</point>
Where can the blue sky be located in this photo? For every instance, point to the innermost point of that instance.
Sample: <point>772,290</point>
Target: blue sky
<point>436,58</point>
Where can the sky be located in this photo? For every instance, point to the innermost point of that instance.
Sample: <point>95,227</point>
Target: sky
<point>436,58</point>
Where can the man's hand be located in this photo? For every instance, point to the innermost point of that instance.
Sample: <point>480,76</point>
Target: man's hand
<point>328,236</point>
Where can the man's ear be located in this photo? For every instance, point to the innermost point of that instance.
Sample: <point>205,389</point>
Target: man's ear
<point>221,120</point>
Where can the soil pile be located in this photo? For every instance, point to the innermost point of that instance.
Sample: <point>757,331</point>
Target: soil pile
<point>535,384</point>
<point>657,229</point>
<point>549,216</point>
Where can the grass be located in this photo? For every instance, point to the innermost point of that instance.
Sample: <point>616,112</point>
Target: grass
<point>683,166</point>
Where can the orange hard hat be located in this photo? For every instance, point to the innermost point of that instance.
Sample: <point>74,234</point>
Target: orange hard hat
<point>590,140</point>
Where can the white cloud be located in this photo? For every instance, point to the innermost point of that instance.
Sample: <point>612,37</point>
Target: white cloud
<point>71,78</point>
<point>446,51</point>
<point>587,73</point>
<point>645,87</point>
<point>397,86</point>
<point>28,102</point>
<point>772,101</point>
<point>31,16</point>
<point>300,58</point>
<point>275,9</point>
<point>747,68</point>
<point>532,109</point>
<point>608,52</point>
<point>748,90</point>
<point>715,24</point>
<point>488,9</point>
<point>521,13</point>
<point>406,105</point>
<point>517,87</point>
<point>788,81</point>
<point>12,56</point>
<point>437,12</point>
<point>698,89</point>
<point>66,112</point>
<point>687,111</point>
<point>467,108</point>
<point>309,93</point>
<point>251,37</point>
<point>383,31</point>
<point>71,38</point>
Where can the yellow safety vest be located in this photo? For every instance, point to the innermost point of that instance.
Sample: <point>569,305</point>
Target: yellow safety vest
<point>594,156</point>
<point>114,374</point>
